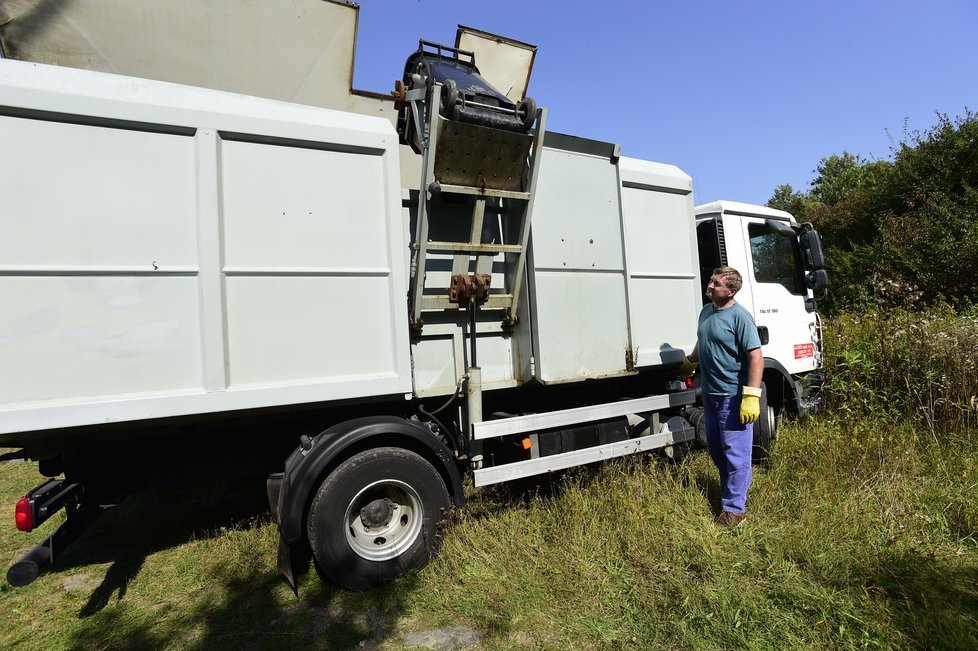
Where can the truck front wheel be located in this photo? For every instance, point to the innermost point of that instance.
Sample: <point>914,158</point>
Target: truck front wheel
<point>765,429</point>
<point>379,514</point>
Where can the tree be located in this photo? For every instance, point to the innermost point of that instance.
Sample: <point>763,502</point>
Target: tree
<point>787,198</point>
<point>900,230</point>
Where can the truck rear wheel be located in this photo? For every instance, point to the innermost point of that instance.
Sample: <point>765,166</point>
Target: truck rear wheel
<point>697,419</point>
<point>379,514</point>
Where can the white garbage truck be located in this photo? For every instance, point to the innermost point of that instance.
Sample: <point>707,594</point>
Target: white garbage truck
<point>367,306</point>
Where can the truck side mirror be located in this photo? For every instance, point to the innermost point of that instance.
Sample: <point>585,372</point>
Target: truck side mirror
<point>811,243</point>
<point>818,279</point>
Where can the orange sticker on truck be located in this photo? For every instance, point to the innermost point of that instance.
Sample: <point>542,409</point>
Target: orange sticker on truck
<point>804,350</point>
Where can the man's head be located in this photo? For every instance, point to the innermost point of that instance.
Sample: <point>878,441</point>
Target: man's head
<point>724,284</point>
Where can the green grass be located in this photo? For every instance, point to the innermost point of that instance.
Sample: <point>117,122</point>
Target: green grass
<point>858,538</point>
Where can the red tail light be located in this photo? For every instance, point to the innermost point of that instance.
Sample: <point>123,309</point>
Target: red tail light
<point>24,515</point>
<point>689,383</point>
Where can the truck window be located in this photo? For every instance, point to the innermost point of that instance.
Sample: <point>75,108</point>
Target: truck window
<point>777,259</point>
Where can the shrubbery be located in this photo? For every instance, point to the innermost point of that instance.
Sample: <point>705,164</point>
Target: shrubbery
<point>902,231</point>
<point>892,363</point>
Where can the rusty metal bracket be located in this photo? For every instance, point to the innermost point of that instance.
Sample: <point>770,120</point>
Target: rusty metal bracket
<point>466,288</point>
<point>630,358</point>
<point>399,92</point>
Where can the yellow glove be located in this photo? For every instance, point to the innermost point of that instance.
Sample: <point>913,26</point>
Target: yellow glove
<point>750,405</point>
<point>687,368</point>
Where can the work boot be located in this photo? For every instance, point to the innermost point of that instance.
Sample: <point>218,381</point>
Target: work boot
<point>729,519</point>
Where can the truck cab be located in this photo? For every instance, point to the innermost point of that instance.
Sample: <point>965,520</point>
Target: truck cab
<point>784,278</point>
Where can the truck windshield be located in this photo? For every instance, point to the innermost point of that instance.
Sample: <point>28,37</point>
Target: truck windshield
<point>777,259</point>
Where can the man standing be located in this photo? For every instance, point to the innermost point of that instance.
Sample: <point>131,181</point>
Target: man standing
<point>728,353</point>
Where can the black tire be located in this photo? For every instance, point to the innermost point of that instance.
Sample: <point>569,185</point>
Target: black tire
<point>697,419</point>
<point>526,110</point>
<point>449,98</point>
<point>765,430</point>
<point>381,513</point>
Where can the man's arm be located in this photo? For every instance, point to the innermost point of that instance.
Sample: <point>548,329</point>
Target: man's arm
<point>690,362</point>
<point>750,403</point>
<point>755,369</point>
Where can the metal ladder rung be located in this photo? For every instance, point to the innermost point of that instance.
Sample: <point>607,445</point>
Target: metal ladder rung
<point>471,247</point>
<point>442,302</point>
<point>483,192</point>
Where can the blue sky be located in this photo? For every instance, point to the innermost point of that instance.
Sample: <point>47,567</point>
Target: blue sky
<point>743,95</point>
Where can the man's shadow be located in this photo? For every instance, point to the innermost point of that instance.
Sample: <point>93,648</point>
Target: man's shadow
<point>118,577</point>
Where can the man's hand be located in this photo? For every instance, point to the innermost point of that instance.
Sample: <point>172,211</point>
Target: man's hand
<point>687,368</point>
<point>750,405</point>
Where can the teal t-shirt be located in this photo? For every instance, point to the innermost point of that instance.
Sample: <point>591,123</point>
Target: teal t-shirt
<point>725,337</point>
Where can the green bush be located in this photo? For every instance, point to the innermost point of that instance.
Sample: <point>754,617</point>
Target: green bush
<point>901,362</point>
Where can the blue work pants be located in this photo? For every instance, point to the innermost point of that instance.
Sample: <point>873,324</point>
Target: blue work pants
<point>729,443</point>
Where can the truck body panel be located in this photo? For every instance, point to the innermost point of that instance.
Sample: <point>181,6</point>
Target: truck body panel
<point>578,281</point>
<point>661,254</point>
<point>291,50</point>
<point>253,256</point>
<point>160,240</point>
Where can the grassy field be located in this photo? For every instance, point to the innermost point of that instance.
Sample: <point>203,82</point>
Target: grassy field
<point>859,537</point>
<point>863,533</point>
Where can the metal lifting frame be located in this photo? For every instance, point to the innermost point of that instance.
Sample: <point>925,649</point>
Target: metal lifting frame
<point>429,132</point>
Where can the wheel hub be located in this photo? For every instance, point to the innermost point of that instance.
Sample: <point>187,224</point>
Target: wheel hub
<point>384,519</point>
<point>377,513</point>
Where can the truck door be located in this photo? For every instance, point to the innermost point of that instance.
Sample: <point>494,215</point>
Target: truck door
<point>780,295</point>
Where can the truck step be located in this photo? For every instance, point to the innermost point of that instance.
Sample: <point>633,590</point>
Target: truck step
<point>541,465</point>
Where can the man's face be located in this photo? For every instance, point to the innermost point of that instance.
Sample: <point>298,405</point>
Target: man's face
<point>717,291</point>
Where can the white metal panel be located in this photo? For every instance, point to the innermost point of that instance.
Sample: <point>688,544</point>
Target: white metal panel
<point>94,197</point>
<point>503,62</point>
<point>172,323</point>
<point>660,232</point>
<point>576,213</point>
<point>303,209</point>
<point>580,327</point>
<point>80,336</point>
<point>438,360</point>
<point>298,329</point>
<point>441,355</point>
<point>663,319</point>
<point>294,50</point>
<point>663,267</point>
<point>82,92</point>
<point>317,221</point>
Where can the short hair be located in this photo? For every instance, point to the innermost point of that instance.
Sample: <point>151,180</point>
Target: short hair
<point>733,278</point>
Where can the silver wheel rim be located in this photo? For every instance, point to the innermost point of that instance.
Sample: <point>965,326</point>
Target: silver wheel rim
<point>390,539</point>
<point>769,417</point>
